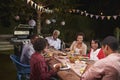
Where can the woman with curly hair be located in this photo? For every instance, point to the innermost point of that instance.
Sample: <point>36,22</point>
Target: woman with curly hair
<point>39,68</point>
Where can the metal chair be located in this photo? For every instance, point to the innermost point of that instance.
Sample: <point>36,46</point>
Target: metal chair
<point>23,70</point>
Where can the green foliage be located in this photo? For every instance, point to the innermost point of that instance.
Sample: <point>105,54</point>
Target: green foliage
<point>11,8</point>
<point>73,23</point>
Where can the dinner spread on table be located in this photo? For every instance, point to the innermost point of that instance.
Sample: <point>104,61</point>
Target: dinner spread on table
<point>69,61</point>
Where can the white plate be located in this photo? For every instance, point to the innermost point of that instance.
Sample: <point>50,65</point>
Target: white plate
<point>65,68</point>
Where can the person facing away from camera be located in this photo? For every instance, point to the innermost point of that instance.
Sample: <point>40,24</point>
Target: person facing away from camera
<point>107,68</point>
<point>95,52</point>
<point>78,46</point>
<point>38,65</point>
<point>54,41</point>
<point>28,50</point>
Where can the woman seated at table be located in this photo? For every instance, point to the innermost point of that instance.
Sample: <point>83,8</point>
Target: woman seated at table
<point>78,46</point>
<point>96,52</point>
<point>39,68</point>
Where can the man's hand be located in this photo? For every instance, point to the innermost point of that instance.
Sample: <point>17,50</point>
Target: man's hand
<point>57,67</point>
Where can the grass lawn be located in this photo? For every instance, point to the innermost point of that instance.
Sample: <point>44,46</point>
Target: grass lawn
<point>7,69</point>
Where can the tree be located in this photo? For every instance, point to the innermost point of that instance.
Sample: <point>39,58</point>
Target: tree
<point>73,22</point>
<point>9,9</point>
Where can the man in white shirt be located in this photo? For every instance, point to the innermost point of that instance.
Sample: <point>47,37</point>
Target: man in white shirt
<point>54,41</point>
<point>28,50</point>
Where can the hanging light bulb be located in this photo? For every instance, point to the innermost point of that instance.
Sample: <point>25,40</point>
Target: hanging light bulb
<point>48,21</point>
<point>63,23</point>
<point>101,13</point>
<point>32,22</point>
<point>17,17</point>
<point>53,20</point>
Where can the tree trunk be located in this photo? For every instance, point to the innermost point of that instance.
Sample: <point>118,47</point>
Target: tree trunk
<point>39,22</point>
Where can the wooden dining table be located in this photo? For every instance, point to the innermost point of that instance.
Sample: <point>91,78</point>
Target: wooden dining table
<point>74,72</point>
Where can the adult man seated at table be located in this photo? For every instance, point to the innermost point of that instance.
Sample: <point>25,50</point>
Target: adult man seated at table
<point>107,68</point>
<point>54,41</point>
<point>28,50</point>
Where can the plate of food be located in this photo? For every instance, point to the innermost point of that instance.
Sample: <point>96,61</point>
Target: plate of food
<point>64,66</point>
<point>62,54</point>
<point>61,57</point>
<point>83,58</point>
<point>47,55</point>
